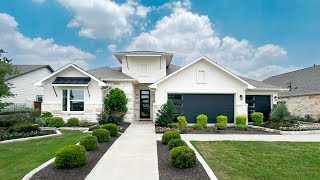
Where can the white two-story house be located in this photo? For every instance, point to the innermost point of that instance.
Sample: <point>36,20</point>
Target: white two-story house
<point>149,79</point>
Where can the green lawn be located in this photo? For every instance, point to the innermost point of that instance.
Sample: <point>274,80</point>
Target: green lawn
<point>261,160</point>
<point>18,158</point>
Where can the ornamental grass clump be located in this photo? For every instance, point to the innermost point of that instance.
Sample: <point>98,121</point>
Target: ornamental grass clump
<point>70,157</point>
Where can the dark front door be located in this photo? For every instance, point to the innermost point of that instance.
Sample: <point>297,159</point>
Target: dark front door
<point>259,103</point>
<point>144,104</point>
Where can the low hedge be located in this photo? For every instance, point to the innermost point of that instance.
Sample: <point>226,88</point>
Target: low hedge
<point>55,122</point>
<point>112,128</point>
<point>12,117</point>
<point>257,118</point>
<point>103,135</point>
<point>89,142</point>
<point>73,122</point>
<point>222,122</point>
<point>168,135</point>
<point>183,157</point>
<point>16,135</point>
<point>173,143</point>
<point>203,120</point>
<point>70,156</point>
<point>24,128</point>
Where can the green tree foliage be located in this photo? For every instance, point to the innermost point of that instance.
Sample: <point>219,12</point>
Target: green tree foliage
<point>6,69</point>
<point>280,112</point>
<point>165,114</point>
<point>116,101</point>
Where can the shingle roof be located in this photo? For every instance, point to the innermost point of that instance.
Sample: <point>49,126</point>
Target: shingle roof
<point>24,69</point>
<point>108,73</point>
<point>172,68</point>
<point>303,82</point>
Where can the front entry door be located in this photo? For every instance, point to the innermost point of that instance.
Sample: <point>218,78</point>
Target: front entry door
<point>144,104</point>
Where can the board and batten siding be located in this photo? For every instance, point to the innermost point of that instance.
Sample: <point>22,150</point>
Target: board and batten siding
<point>23,88</point>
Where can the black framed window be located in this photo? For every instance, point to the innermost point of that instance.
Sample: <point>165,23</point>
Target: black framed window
<point>73,100</point>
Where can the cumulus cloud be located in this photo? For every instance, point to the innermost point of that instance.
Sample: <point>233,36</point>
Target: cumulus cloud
<point>189,35</point>
<point>25,50</point>
<point>105,19</point>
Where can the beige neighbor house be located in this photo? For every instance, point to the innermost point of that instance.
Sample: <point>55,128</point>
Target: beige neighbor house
<point>149,79</point>
<point>303,97</point>
<point>22,85</point>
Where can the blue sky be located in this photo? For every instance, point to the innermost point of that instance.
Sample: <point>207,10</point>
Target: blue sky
<point>254,38</point>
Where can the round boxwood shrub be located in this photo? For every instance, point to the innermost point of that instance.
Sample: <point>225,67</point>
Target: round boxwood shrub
<point>89,142</point>
<point>168,135</point>
<point>203,120</point>
<point>55,122</point>
<point>70,156</point>
<point>173,143</point>
<point>112,128</point>
<point>257,118</point>
<point>241,120</point>
<point>73,122</point>
<point>183,157</point>
<point>103,135</point>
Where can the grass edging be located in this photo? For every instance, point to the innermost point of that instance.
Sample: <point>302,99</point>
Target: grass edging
<point>203,162</point>
<point>58,133</point>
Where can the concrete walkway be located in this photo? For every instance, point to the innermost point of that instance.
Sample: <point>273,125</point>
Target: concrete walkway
<point>237,137</point>
<point>133,156</point>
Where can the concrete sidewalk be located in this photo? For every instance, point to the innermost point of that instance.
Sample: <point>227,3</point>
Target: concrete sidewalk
<point>133,156</point>
<point>237,137</point>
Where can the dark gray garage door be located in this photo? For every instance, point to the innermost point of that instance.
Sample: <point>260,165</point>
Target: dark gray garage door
<point>212,105</point>
<point>259,103</point>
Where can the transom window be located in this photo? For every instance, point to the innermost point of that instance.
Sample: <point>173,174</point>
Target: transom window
<point>72,100</point>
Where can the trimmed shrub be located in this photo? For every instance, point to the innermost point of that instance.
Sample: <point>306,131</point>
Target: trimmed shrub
<point>257,118</point>
<point>45,115</point>
<point>183,157</point>
<point>197,126</point>
<point>24,128</point>
<point>173,125</point>
<point>165,114</point>
<point>203,120</point>
<point>89,142</point>
<point>241,120</point>
<point>7,123</point>
<point>70,156</point>
<point>103,135</point>
<point>16,135</point>
<point>279,112</point>
<point>222,122</point>
<point>18,116</point>
<point>115,118</point>
<point>168,135</point>
<point>85,123</point>
<point>116,101</point>
<point>182,121</point>
<point>112,128</point>
<point>55,122</point>
<point>173,143</point>
<point>242,127</point>
<point>72,122</point>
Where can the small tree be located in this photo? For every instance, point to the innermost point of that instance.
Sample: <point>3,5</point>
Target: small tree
<point>116,101</point>
<point>6,69</point>
<point>165,114</point>
<point>280,112</point>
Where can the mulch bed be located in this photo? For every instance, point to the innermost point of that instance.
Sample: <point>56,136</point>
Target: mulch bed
<point>79,173</point>
<point>168,172</point>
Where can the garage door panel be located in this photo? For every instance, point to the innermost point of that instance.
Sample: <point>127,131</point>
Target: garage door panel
<point>211,105</point>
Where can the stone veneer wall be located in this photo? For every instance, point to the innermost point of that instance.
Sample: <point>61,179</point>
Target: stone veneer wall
<point>303,105</point>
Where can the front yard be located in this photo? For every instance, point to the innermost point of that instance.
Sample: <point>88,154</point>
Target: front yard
<point>261,160</point>
<point>19,158</point>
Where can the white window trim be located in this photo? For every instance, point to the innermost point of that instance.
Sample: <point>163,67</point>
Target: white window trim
<point>200,81</point>
<point>68,100</point>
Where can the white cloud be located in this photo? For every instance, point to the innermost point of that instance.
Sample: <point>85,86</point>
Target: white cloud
<point>105,18</point>
<point>25,50</point>
<point>189,35</point>
<point>38,1</point>
<point>112,47</point>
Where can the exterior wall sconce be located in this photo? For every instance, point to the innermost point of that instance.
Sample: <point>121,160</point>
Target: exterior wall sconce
<point>275,98</point>
<point>241,97</point>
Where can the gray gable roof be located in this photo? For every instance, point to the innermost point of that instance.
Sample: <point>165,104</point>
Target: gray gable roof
<point>107,73</point>
<point>303,82</point>
<point>24,69</point>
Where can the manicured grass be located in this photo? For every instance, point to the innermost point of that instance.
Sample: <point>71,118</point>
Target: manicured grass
<point>19,158</point>
<point>261,160</point>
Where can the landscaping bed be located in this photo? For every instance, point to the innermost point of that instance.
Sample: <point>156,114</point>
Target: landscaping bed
<point>167,171</point>
<point>50,172</point>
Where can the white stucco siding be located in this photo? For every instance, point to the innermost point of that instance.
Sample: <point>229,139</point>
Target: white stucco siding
<point>144,69</point>
<point>93,96</point>
<point>216,81</point>
<point>23,88</point>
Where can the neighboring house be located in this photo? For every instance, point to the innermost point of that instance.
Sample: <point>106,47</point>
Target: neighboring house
<point>303,97</point>
<point>22,85</point>
<point>149,80</point>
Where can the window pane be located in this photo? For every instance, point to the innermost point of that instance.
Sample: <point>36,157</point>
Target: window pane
<point>76,106</point>
<point>76,94</point>
<point>64,100</point>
